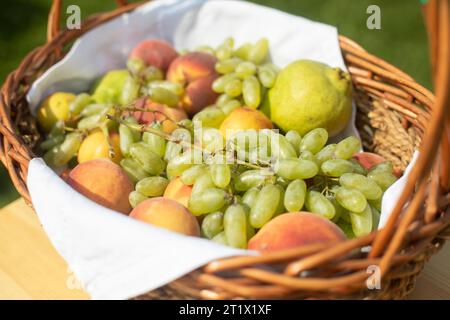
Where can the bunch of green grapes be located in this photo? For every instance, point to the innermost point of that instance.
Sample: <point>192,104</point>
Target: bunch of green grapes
<point>245,72</point>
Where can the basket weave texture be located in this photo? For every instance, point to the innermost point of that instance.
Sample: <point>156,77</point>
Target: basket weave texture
<point>395,117</point>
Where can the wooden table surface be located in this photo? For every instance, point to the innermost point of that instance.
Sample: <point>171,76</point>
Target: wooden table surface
<point>30,268</point>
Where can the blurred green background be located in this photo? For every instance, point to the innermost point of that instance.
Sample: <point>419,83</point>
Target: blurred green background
<point>401,40</point>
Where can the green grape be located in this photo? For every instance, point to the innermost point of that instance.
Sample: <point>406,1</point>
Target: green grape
<point>152,186</point>
<point>60,155</point>
<point>361,221</point>
<point>133,169</point>
<point>212,140</point>
<point>155,143</point>
<point>250,197</point>
<point>294,198</point>
<point>250,179</point>
<point>280,207</point>
<point>336,167</point>
<point>357,167</point>
<point>375,203</point>
<point>189,176</point>
<point>259,52</point>
<point>206,49</point>
<point>152,73</point>
<point>346,227</point>
<point>164,96</point>
<point>314,140</point>
<point>173,87</point>
<point>316,202</point>
<point>267,76</point>
<point>211,117</point>
<point>235,226</point>
<point>366,186</point>
<point>280,148</point>
<point>58,129</point>
<point>207,201</point>
<point>282,181</point>
<point>251,92</point>
<point>51,142</point>
<point>308,155</point>
<point>265,205</point>
<point>327,153</point>
<point>294,138</point>
<point>227,66</point>
<point>212,224</point>
<point>173,149</point>
<point>222,99</point>
<point>80,102</point>
<point>186,124</point>
<point>136,133</point>
<point>293,169</point>
<point>225,50</point>
<point>347,148</point>
<point>91,122</point>
<point>181,134</point>
<point>220,238</point>
<point>220,175</point>
<point>130,91</point>
<point>339,210</point>
<point>351,199</point>
<point>202,183</point>
<point>375,218</point>
<point>178,164</point>
<point>383,166</point>
<point>136,65</point>
<point>243,51</point>
<point>234,88</point>
<point>383,178</point>
<point>135,198</point>
<point>245,69</point>
<point>250,230</point>
<point>220,83</point>
<point>126,139</point>
<point>147,159</point>
<point>230,106</point>
<point>93,109</point>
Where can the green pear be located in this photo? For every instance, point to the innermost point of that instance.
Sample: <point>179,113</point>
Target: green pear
<point>110,86</point>
<point>307,95</point>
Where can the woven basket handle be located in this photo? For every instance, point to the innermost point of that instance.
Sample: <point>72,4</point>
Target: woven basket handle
<point>54,17</point>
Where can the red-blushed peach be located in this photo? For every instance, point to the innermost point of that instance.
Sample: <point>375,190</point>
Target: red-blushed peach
<point>104,182</point>
<point>168,214</point>
<point>178,191</point>
<point>156,53</point>
<point>96,146</point>
<point>369,160</point>
<point>245,119</point>
<point>290,230</point>
<point>196,71</point>
<point>168,117</point>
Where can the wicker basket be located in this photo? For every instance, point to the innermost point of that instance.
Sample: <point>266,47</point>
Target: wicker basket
<point>395,115</point>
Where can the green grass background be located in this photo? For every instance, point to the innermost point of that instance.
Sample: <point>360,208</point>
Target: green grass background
<point>401,41</point>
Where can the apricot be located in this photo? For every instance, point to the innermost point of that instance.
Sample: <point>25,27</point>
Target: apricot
<point>96,146</point>
<point>168,117</point>
<point>155,52</point>
<point>295,229</point>
<point>168,214</point>
<point>104,182</point>
<point>245,119</point>
<point>196,71</point>
<point>178,191</point>
<point>54,108</point>
<point>369,160</point>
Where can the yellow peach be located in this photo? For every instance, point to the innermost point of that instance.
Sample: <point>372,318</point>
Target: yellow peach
<point>54,108</point>
<point>96,146</point>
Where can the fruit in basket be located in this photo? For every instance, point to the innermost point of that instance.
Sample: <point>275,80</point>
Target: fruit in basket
<point>104,182</point>
<point>97,146</point>
<point>54,108</point>
<point>178,191</point>
<point>168,117</point>
<point>295,229</point>
<point>196,72</point>
<point>369,159</point>
<point>168,214</point>
<point>109,87</point>
<point>155,52</point>
<point>245,119</point>
<point>309,94</point>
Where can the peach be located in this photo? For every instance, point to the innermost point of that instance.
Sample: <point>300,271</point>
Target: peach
<point>245,119</point>
<point>104,182</point>
<point>197,72</point>
<point>178,191</point>
<point>154,52</point>
<point>168,117</point>
<point>96,146</point>
<point>369,159</point>
<point>290,230</point>
<point>168,214</point>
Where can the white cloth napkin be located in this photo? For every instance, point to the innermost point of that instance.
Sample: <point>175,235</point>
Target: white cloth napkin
<point>116,257</point>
